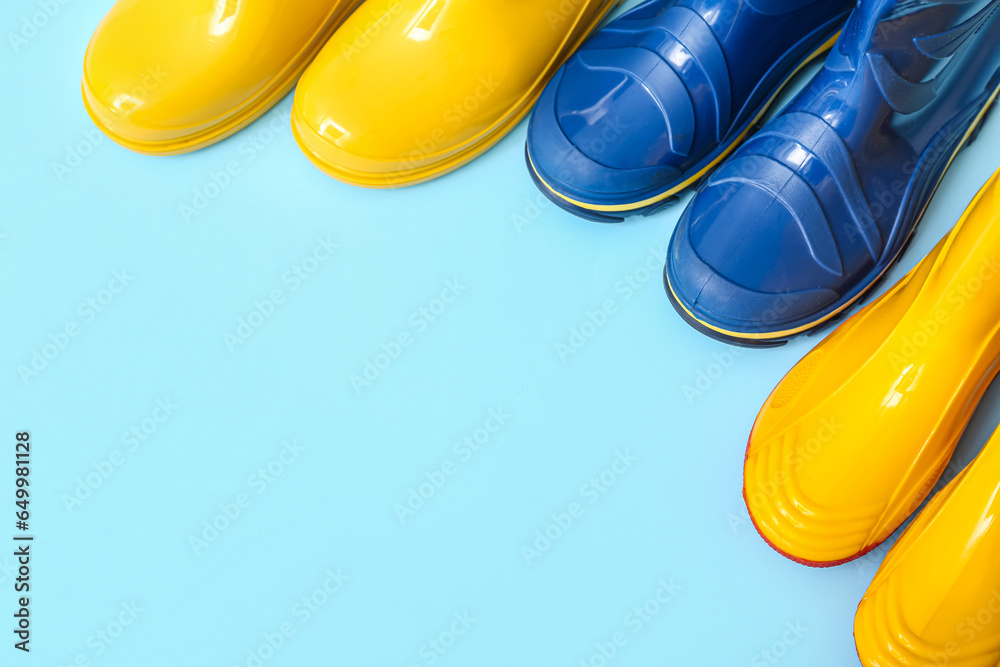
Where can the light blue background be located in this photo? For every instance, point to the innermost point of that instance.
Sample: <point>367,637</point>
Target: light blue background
<point>529,276</point>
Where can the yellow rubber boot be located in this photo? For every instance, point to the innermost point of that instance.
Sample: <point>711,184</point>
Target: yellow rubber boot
<point>936,598</point>
<point>168,77</point>
<point>409,90</point>
<point>856,435</point>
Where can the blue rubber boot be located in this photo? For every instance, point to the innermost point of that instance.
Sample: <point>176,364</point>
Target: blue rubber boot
<point>807,215</point>
<point>656,99</point>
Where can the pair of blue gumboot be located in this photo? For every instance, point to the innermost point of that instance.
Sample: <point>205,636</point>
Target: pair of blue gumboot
<point>795,219</point>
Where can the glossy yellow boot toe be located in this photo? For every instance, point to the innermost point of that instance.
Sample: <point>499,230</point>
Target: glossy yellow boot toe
<point>857,434</point>
<point>408,90</point>
<point>169,77</point>
<point>936,599</point>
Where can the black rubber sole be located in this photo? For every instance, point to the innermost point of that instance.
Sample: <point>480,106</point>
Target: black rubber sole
<point>712,333</point>
<point>598,216</point>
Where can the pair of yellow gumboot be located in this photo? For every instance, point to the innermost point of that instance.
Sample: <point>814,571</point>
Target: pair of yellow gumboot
<point>394,92</point>
<point>857,435</point>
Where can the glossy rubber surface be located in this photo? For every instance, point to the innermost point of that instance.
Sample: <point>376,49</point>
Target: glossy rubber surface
<point>170,77</point>
<point>936,598</point>
<point>852,440</point>
<point>659,96</point>
<point>408,90</point>
<point>812,210</point>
